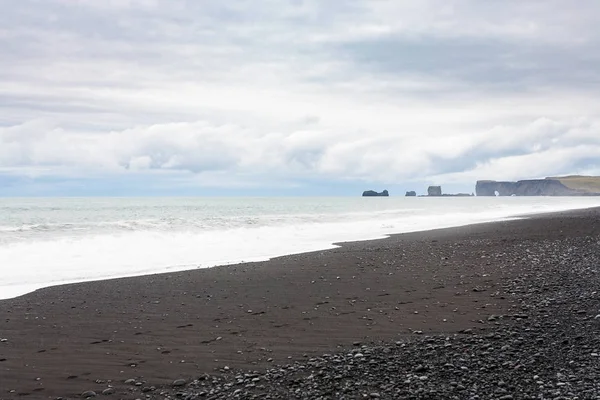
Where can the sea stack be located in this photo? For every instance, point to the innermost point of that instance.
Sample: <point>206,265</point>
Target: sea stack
<point>434,191</point>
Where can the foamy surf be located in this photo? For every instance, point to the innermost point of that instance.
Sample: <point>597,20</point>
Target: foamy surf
<point>83,241</point>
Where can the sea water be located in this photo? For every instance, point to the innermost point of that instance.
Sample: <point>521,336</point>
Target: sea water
<point>51,241</point>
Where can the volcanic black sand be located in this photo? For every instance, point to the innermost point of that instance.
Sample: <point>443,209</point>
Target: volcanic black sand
<point>501,310</point>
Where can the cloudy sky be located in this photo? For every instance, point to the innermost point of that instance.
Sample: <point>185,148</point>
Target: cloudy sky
<point>142,97</point>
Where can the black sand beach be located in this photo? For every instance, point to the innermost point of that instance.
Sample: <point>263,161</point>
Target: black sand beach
<point>502,310</point>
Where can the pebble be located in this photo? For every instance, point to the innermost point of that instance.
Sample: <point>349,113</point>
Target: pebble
<point>420,368</point>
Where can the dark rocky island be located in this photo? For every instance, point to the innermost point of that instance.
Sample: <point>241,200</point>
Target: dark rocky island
<point>372,193</point>
<point>558,186</point>
<point>411,193</point>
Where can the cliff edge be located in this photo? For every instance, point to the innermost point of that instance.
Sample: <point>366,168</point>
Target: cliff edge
<point>552,186</point>
<point>586,184</point>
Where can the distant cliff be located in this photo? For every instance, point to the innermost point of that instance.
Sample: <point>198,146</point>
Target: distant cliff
<point>559,186</point>
<point>372,193</point>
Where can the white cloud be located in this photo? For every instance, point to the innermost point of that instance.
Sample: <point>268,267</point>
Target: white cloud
<point>542,147</point>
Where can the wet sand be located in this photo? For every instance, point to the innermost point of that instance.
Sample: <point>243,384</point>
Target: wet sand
<point>64,340</point>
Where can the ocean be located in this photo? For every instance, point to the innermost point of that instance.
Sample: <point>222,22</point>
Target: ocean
<point>51,241</point>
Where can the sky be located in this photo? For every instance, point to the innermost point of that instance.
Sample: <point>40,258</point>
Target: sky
<point>299,97</point>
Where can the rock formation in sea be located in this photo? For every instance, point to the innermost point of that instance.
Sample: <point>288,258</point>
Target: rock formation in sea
<point>372,193</point>
<point>556,186</point>
<point>434,191</point>
<point>411,193</point>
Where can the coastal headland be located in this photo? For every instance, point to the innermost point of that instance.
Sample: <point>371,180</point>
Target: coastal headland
<point>501,310</point>
<point>575,185</point>
<point>572,185</point>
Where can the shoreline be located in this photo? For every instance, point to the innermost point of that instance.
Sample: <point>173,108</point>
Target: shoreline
<point>256,315</point>
<point>17,291</point>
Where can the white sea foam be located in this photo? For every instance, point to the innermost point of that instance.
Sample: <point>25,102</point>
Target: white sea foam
<point>81,241</point>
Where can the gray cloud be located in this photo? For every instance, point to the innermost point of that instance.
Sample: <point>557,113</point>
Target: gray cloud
<point>482,65</point>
